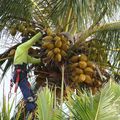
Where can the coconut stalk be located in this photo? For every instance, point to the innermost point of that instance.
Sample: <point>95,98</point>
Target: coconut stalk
<point>62,83</point>
<point>55,98</point>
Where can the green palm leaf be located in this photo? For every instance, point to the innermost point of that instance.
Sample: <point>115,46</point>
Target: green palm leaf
<point>45,106</point>
<point>11,9</point>
<point>80,13</point>
<point>7,66</point>
<point>98,107</point>
<point>6,109</point>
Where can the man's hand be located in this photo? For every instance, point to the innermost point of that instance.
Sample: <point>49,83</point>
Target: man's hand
<point>43,32</point>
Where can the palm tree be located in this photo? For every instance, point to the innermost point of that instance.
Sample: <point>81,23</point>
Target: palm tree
<point>93,26</point>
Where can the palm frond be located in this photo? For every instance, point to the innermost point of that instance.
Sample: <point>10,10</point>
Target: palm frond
<point>115,88</point>
<point>111,41</point>
<point>98,107</point>
<point>7,66</point>
<point>6,109</point>
<point>80,13</point>
<point>11,9</point>
<point>46,109</point>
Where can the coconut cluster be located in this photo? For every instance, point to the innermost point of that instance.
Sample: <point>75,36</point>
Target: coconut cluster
<point>24,28</point>
<point>82,69</point>
<point>56,46</point>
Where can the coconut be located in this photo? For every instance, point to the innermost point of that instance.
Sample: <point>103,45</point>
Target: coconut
<point>58,57</point>
<point>82,77</point>
<point>94,90</point>
<point>65,47</point>
<point>83,57</point>
<point>48,45</point>
<point>49,31</point>
<point>58,43</point>
<point>57,38</point>
<point>78,71</point>
<point>56,50</point>
<point>48,38</point>
<point>97,83</point>
<point>76,78</point>
<point>88,71</point>
<point>82,64</point>
<point>63,53</point>
<point>90,64</point>
<point>74,65</point>
<point>50,54</point>
<point>88,80</point>
<point>74,59</point>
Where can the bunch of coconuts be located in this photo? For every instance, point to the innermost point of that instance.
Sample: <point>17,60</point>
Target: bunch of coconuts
<point>25,28</point>
<point>82,69</point>
<point>56,46</point>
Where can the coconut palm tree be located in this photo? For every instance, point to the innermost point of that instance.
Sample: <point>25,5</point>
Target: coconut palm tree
<point>92,28</point>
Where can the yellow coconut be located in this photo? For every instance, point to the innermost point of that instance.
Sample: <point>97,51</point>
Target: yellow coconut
<point>88,71</point>
<point>58,57</point>
<point>49,31</point>
<point>76,78</point>
<point>83,57</point>
<point>63,53</point>
<point>50,54</point>
<point>90,64</point>
<point>74,73</point>
<point>82,77</point>
<point>88,80</point>
<point>48,38</point>
<point>97,83</point>
<point>68,43</point>
<point>64,47</point>
<point>58,43</point>
<point>94,90</point>
<point>48,45</point>
<point>56,50</point>
<point>74,59</point>
<point>64,39</point>
<point>82,64</point>
<point>57,38</point>
<point>78,71</point>
<point>74,65</point>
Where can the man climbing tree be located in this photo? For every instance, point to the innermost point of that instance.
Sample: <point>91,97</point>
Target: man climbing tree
<point>21,59</point>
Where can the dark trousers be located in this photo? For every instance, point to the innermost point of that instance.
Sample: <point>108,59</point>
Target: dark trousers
<point>25,89</point>
<point>27,92</point>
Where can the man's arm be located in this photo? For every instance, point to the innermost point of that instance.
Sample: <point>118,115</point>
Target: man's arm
<point>30,42</point>
<point>33,60</point>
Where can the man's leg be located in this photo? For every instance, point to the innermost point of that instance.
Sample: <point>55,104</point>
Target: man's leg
<point>27,95</point>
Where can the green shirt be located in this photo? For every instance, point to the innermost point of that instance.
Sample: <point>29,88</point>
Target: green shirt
<point>21,54</point>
